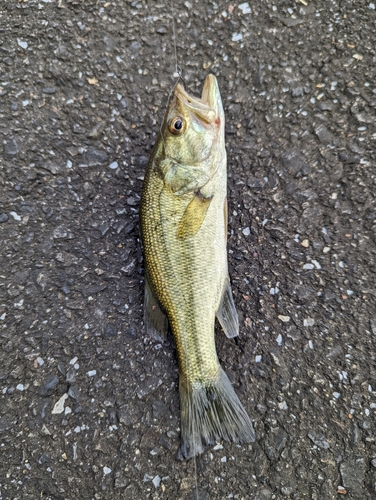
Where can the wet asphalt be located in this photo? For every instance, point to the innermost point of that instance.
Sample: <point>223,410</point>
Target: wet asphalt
<point>89,404</point>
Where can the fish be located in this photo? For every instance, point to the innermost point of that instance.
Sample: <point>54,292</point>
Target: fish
<point>183,226</point>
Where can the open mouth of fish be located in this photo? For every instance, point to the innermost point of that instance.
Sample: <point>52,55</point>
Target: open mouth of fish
<point>205,108</point>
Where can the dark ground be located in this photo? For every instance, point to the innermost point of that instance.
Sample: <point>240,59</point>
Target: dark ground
<point>83,87</point>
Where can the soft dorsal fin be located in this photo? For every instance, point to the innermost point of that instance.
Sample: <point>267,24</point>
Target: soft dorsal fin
<point>226,314</point>
<point>155,319</point>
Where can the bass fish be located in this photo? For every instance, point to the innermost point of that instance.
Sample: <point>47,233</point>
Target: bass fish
<point>184,234</point>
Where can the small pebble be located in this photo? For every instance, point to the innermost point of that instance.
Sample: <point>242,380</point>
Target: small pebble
<point>283,405</point>
<point>283,318</point>
<point>218,447</point>
<point>236,37</point>
<point>326,250</point>
<point>157,481</point>
<point>3,218</point>
<point>106,470</point>
<point>309,266</point>
<point>22,44</point>
<point>246,231</point>
<point>308,322</point>
<point>91,373</point>
<point>305,243</point>
<point>258,359</point>
<point>114,165</point>
<point>279,340</point>
<point>245,8</point>
<point>20,387</point>
<point>59,406</point>
<point>15,216</point>
<point>224,459</point>
<point>72,361</point>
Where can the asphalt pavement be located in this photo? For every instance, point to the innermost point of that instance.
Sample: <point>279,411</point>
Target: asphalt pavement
<point>89,405</point>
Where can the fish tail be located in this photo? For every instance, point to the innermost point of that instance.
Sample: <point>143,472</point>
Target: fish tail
<point>211,411</point>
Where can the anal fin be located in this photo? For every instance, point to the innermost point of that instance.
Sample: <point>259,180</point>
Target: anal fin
<point>155,319</point>
<point>226,314</point>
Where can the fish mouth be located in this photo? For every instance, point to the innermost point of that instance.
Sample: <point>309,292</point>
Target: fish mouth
<point>208,108</point>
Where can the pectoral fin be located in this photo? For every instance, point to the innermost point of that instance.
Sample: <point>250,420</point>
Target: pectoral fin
<point>226,314</point>
<point>155,319</point>
<point>193,216</point>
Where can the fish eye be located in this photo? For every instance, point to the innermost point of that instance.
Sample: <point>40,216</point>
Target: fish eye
<point>177,125</point>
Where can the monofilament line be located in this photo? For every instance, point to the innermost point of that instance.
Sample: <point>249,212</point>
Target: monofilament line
<point>177,69</point>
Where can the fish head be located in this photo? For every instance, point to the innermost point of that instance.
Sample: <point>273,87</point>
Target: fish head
<point>193,128</point>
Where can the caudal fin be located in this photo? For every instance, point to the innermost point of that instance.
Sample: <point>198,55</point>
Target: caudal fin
<point>209,412</point>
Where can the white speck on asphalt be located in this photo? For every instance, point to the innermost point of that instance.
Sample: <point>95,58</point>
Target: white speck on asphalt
<point>59,406</point>
<point>157,481</point>
<point>236,37</point>
<point>279,340</point>
<point>283,318</point>
<point>40,361</point>
<point>245,8</point>
<point>22,44</point>
<point>73,360</point>
<point>20,387</point>
<point>15,216</point>
<point>258,359</point>
<point>309,266</point>
<point>246,231</point>
<point>106,470</point>
<point>218,447</point>
<point>114,165</point>
<point>91,373</point>
<point>308,322</point>
<point>316,264</point>
<point>282,405</point>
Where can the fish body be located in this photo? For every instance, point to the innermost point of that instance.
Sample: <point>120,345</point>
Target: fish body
<point>184,232</point>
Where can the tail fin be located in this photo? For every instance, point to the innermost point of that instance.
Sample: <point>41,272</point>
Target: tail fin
<point>211,411</point>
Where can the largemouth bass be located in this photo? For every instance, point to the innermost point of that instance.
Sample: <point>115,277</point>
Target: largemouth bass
<point>184,234</point>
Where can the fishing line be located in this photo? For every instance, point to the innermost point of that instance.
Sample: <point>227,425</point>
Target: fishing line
<point>177,73</point>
